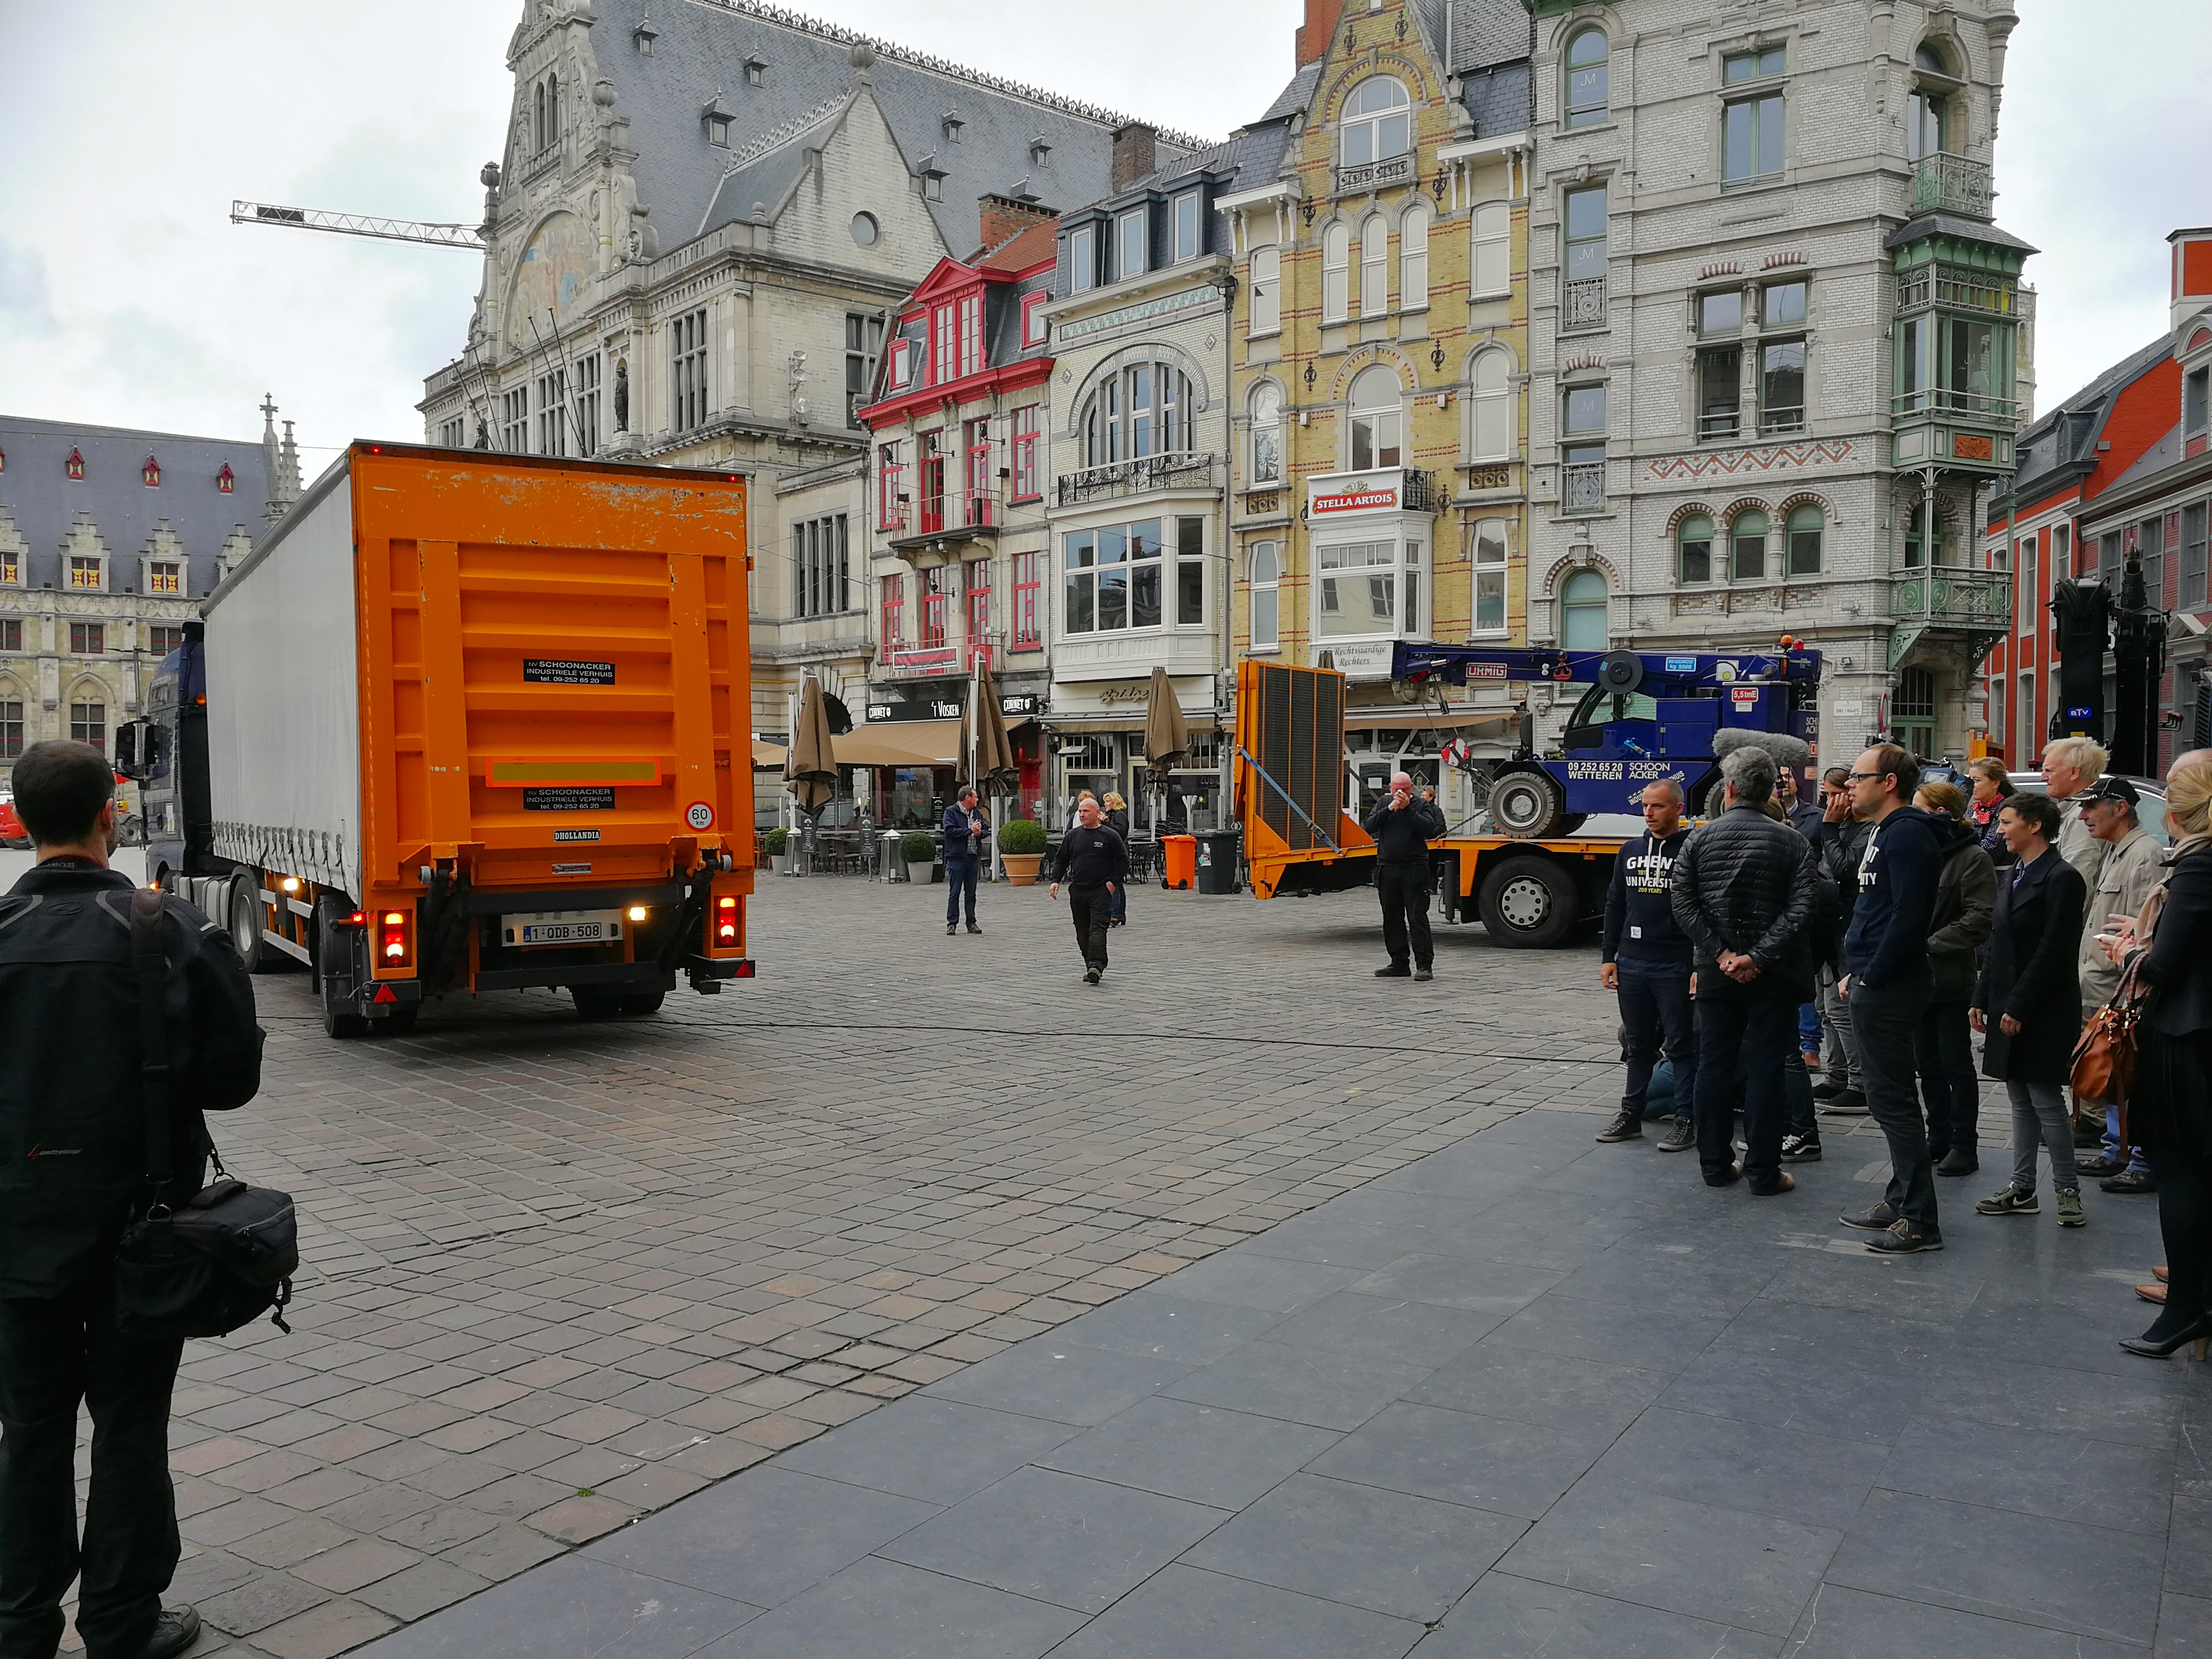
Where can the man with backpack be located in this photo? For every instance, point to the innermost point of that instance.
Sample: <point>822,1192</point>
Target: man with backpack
<point>74,1143</point>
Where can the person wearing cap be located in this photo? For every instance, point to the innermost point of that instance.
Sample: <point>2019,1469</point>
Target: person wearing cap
<point>2130,870</point>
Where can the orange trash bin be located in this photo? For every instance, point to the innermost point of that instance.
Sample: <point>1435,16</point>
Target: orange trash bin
<point>1179,858</point>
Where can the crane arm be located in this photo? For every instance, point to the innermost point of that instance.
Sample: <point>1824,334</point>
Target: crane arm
<point>357,224</point>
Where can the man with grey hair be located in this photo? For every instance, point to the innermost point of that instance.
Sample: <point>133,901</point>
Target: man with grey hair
<point>1403,826</point>
<point>2133,865</point>
<point>2070,765</point>
<point>1744,894</point>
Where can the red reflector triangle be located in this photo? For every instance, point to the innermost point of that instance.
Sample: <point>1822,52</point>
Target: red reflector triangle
<point>385,994</point>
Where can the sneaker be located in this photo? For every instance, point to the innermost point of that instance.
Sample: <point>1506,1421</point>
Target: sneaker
<point>1422,973</point>
<point>2011,1200</point>
<point>1905,1238</point>
<point>1801,1149</point>
<point>1824,1090</point>
<point>1957,1163</point>
<point>973,929</point>
<point>2102,1164</point>
<point>1681,1138</point>
<point>1846,1103</point>
<point>2070,1214</point>
<point>2130,1181</point>
<point>949,930</point>
<point>1875,1218</point>
<point>1396,971</point>
<point>175,1629</point>
<point>1090,976</point>
<point>1625,1126</point>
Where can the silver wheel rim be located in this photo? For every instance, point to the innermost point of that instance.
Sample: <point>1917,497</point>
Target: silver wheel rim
<point>1517,806</point>
<point>1524,902</point>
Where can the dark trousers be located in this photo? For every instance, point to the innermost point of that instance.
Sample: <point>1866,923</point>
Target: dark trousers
<point>1404,891</point>
<point>2185,1220</point>
<point>1950,1090</point>
<point>1885,1019</point>
<point>960,876</point>
<point>1117,902</point>
<point>53,1354</point>
<point>1757,1030</point>
<point>1656,1007</point>
<point>1088,905</point>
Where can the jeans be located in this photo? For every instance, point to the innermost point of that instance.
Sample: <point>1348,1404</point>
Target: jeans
<point>54,1353</point>
<point>960,876</point>
<point>2111,1147</point>
<point>2039,1112</point>
<point>1944,1049</point>
<point>1087,906</point>
<point>1117,902</point>
<point>1655,1007</point>
<point>1757,1028</point>
<point>1884,1020</point>
<point>1404,891</point>
<point>1839,1060</point>
<point>1809,1028</point>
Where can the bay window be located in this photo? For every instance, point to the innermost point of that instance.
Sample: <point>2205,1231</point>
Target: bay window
<point>1190,573</point>
<point>1366,588</point>
<point>1116,579</point>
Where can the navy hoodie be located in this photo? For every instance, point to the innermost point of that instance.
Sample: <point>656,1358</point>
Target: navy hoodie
<point>1639,903</point>
<point>1897,877</point>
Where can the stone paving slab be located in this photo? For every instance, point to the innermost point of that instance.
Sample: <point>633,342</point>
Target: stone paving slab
<point>1730,1430</point>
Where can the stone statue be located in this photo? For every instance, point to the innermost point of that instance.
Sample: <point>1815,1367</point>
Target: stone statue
<point>484,438</point>
<point>622,394</point>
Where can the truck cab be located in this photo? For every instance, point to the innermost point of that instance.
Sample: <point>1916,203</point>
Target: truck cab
<point>165,753</point>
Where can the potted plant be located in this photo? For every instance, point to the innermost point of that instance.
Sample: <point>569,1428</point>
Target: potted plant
<point>1021,847</point>
<point>779,851</point>
<point>918,851</point>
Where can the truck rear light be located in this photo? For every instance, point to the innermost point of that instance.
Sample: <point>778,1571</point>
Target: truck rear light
<point>395,940</point>
<point>636,913</point>
<point>725,921</point>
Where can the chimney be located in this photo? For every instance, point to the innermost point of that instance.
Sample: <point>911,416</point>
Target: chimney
<point>1318,30</point>
<point>1005,217</point>
<point>2192,274</point>
<point>1132,154</point>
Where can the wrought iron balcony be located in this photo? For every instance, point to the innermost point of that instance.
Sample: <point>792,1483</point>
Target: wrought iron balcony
<point>1582,304</point>
<point>1943,182</point>
<point>1978,407</point>
<point>1958,289</point>
<point>1182,470</point>
<point>1582,487</point>
<point>1374,175</point>
<point>1953,596</point>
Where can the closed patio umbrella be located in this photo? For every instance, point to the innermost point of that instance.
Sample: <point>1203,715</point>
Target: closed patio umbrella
<point>809,765</point>
<point>986,756</point>
<point>1167,739</point>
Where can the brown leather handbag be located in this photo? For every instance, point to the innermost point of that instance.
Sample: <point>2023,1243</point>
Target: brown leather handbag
<point>2104,1056</point>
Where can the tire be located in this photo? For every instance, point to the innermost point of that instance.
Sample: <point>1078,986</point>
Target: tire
<point>638,1004</point>
<point>334,978</point>
<point>595,1001</point>
<point>1528,805</point>
<point>1528,903</point>
<point>246,927</point>
<point>1715,799</point>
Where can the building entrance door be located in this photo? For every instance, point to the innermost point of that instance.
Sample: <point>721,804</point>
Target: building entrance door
<point>1914,719</point>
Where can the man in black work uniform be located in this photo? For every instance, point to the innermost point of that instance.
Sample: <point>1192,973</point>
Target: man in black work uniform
<point>1092,861</point>
<point>72,1171</point>
<point>1645,959</point>
<point>1403,827</point>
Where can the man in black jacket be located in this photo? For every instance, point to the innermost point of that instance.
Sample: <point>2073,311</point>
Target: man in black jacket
<point>1092,861</point>
<point>72,1172</point>
<point>1403,827</point>
<point>1744,894</point>
<point>1645,959</point>
<point>1888,984</point>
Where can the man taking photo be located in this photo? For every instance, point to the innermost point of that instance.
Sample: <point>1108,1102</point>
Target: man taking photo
<point>73,1151</point>
<point>1403,827</point>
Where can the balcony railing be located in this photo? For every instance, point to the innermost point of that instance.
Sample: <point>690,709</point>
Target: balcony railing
<point>1582,487</point>
<point>1951,184</point>
<point>1584,304</point>
<point>1374,175</point>
<point>1181,470</point>
<point>1976,406</point>
<point>1775,423</point>
<point>1722,423</point>
<point>1974,598</point>
<point>1959,290</point>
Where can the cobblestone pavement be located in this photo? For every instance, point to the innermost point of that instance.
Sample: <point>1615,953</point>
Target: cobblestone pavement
<point>561,1274</point>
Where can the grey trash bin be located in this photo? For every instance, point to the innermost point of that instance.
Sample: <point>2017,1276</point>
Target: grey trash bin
<point>1217,862</point>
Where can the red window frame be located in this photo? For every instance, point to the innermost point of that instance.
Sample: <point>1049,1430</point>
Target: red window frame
<point>971,335</point>
<point>1026,487</point>
<point>889,514</point>
<point>976,584</point>
<point>933,598</point>
<point>979,497</point>
<point>933,481</point>
<point>1029,594</point>
<point>890,599</point>
<point>1033,328</point>
<point>941,370</point>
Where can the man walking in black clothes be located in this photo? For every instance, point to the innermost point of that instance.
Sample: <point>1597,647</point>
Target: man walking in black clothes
<point>1093,862</point>
<point>1646,960</point>
<point>1888,985</point>
<point>1403,827</point>
<point>1744,894</point>
<point>73,1151</point>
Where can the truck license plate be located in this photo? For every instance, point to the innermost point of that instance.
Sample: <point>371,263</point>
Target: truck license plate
<point>562,927</point>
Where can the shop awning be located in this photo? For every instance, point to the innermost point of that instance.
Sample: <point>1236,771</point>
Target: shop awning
<point>767,757</point>
<point>1414,718</point>
<point>899,743</point>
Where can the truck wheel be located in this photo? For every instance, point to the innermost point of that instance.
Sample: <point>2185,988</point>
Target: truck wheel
<point>1528,805</point>
<point>642,1002</point>
<point>596,1001</point>
<point>1716,800</point>
<point>334,977</point>
<point>1529,903</point>
<point>246,927</point>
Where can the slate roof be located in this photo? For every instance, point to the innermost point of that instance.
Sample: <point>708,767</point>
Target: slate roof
<point>1491,43</point>
<point>701,50</point>
<point>1486,32</point>
<point>2159,457</point>
<point>42,501</point>
<point>2063,437</point>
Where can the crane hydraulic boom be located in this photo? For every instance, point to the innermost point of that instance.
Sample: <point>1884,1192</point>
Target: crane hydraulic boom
<point>358,224</point>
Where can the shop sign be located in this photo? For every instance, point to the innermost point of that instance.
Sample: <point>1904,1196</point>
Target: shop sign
<point>1022,703</point>
<point>912,708</point>
<point>1141,691</point>
<point>1360,498</point>
<point>944,659</point>
<point>1366,659</point>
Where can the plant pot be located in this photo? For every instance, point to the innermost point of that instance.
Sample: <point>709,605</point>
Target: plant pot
<point>780,862</point>
<point>1021,867</point>
<point>936,873</point>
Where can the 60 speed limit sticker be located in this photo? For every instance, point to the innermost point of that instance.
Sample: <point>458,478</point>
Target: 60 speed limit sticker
<point>699,815</point>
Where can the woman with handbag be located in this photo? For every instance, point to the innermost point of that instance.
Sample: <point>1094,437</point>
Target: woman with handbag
<point>2029,1001</point>
<point>2169,1107</point>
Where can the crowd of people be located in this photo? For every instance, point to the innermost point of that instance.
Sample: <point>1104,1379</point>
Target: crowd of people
<point>1869,938</point>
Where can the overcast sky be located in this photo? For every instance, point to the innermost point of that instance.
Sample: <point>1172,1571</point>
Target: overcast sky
<point>128,299</point>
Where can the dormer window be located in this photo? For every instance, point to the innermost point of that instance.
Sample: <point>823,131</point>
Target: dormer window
<point>74,465</point>
<point>715,120</point>
<point>756,72</point>
<point>953,124</point>
<point>931,180</point>
<point>1040,152</point>
<point>225,480</point>
<point>643,37</point>
<point>151,472</point>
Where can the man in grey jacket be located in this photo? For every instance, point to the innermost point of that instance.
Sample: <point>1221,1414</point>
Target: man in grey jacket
<point>2131,869</point>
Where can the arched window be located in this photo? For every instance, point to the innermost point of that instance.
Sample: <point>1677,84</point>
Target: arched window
<point>1266,290</point>
<point>1491,271</point>
<point>1377,419</point>
<point>538,118</point>
<point>1807,523</point>
<point>1582,612</point>
<point>1377,122</point>
<point>1141,409</point>
<point>1266,408</point>
<point>1375,267</point>
<point>1267,571</point>
<point>1490,424</point>
<point>1927,108</point>
<point>1747,547</point>
<point>1335,272</point>
<point>1589,101</point>
<point>1413,259</point>
<point>1694,545</point>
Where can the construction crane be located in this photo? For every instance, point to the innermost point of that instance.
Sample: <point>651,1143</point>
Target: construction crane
<point>358,224</point>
